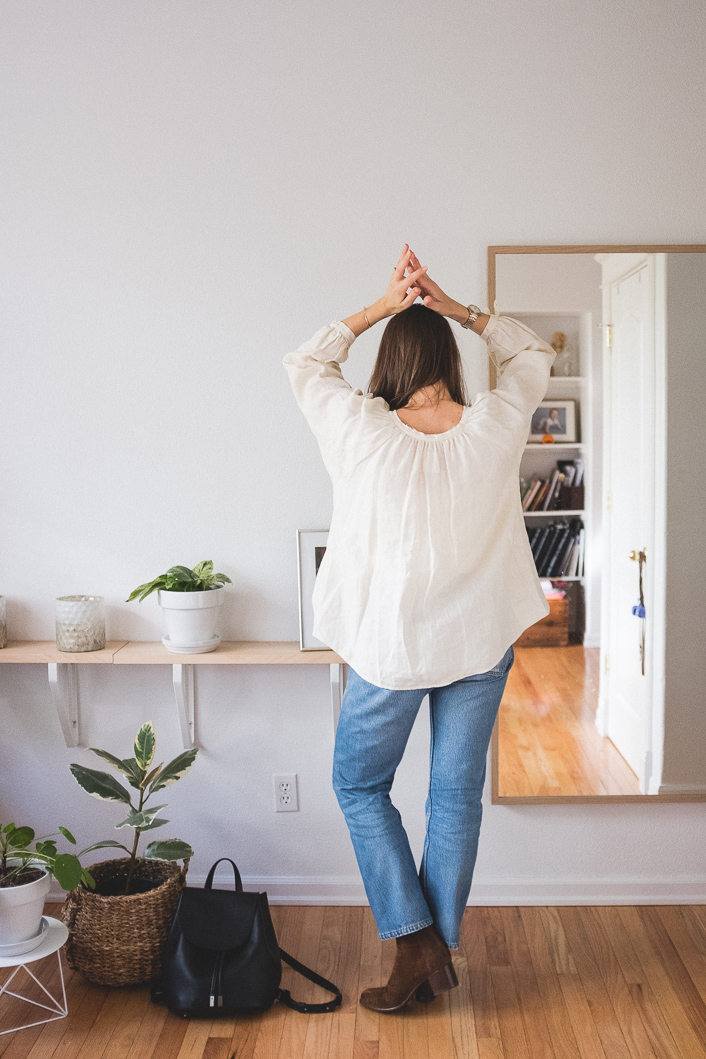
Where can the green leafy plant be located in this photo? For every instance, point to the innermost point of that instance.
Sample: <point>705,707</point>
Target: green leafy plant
<point>18,862</point>
<point>182,579</point>
<point>147,781</point>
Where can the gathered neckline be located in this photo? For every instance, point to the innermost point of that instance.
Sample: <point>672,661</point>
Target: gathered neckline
<point>431,437</point>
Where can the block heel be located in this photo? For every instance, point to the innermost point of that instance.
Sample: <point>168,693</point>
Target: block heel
<point>436,983</point>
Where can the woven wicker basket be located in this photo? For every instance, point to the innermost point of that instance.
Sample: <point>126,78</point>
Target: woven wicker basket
<point>118,940</point>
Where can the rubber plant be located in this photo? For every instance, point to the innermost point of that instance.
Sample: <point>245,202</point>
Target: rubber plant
<point>146,780</point>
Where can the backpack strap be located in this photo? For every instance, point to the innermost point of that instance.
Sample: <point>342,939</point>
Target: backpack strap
<point>286,998</point>
<point>238,881</point>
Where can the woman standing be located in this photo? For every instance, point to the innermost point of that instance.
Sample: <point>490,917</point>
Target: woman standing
<point>427,581</point>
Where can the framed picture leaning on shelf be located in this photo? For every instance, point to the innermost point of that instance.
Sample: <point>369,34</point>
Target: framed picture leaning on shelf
<point>557,418</point>
<point>311,547</point>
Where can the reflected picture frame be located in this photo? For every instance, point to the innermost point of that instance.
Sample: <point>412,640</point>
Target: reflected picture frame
<point>311,547</point>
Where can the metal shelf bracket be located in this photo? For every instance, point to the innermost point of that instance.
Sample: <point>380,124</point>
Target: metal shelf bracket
<point>183,680</point>
<point>338,686</point>
<point>63,684</point>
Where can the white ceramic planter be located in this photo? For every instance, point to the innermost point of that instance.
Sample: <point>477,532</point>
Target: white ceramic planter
<point>21,909</point>
<point>191,618</point>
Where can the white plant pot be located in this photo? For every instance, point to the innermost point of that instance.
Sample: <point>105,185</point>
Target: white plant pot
<point>21,909</point>
<point>191,617</point>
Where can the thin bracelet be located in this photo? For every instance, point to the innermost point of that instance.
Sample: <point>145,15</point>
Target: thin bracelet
<point>365,314</point>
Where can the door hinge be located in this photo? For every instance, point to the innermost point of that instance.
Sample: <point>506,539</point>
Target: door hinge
<point>606,664</point>
<point>609,336</point>
<point>609,502</point>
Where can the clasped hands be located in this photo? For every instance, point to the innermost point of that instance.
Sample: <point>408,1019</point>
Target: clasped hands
<point>409,279</point>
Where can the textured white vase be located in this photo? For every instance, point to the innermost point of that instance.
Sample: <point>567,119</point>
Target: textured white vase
<point>21,909</point>
<point>191,617</point>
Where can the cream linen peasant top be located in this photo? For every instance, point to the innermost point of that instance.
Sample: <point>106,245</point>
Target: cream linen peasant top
<point>428,573</point>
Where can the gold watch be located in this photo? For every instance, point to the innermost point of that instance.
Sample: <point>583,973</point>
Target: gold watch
<point>473,313</point>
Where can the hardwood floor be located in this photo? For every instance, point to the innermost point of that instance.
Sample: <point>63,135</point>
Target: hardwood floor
<point>603,982</point>
<point>548,743</point>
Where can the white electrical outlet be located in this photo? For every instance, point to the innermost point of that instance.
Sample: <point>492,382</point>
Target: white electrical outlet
<point>286,795</point>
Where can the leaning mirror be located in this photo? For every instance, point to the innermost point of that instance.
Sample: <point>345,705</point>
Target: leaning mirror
<point>606,698</point>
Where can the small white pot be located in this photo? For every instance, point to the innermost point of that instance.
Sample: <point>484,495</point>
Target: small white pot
<point>191,617</point>
<point>21,909</point>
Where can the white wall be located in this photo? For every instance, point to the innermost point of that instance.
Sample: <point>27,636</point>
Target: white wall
<point>189,190</point>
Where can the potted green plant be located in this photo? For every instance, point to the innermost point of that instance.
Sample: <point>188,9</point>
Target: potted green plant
<point>116,932</point>
<point>190,600</point>
<point>25,878</point>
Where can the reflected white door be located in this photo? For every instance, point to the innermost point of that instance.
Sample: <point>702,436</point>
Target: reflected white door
<point>630,409</point>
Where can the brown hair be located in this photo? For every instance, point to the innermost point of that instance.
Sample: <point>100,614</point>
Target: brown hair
<point>417,349</point>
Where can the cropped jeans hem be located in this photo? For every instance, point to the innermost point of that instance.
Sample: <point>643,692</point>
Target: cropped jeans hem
<point>406,930</point>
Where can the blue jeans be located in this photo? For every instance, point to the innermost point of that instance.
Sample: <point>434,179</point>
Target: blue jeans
<point>373,730</point>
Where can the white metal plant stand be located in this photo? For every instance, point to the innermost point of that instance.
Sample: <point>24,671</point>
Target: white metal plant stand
<point>55,937</point>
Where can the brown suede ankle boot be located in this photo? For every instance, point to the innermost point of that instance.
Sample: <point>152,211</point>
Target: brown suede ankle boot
<point>423,958</point>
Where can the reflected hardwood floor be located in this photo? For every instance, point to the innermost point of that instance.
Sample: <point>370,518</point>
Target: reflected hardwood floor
<point>598,982</point>
<point>548,743</point>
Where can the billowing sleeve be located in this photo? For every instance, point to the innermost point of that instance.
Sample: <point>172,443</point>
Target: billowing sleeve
<point>523,361</point>
<point>314,371</point>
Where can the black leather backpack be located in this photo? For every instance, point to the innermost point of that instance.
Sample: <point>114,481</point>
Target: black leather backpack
<point>222,958</point>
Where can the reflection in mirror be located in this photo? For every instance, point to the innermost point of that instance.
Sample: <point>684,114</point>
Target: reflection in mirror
<point>583,712</point>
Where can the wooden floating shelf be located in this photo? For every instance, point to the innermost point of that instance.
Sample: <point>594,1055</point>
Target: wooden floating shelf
<point>551,445</point>
<point>46,651</point>
<point>553,514</point>
<point>153,652</point>
<point>62,669</point>
<point>227,653</point>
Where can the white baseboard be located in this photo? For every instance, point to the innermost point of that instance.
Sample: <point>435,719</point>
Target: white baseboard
<point>348,890</point>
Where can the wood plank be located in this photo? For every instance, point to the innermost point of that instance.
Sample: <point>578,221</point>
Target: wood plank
<point>602,1013</point>
<point>490,1048</point>
<point>555,1012</point>
<point>217,1048</point>
<point>584,1028</point>
<point>480,982</point>
<point>621,999</point>
<point>684,945</point>
<point>512,1030</point>
<point>151,1027</point>
<point>681,980</point>
<point>536,1029</point>
<point>302,940</point>
<point>462,1012</point>
<point>327,963</point>
<point>661,1039</point>
<point>367,1022</point>
<point>666,995</point>
<point>171,1038</point>
<point>226,653</point>
<point>35,651</point>
<point>195,1039</point>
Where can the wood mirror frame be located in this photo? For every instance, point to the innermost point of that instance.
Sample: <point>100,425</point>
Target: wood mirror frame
<point>495,797</point>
